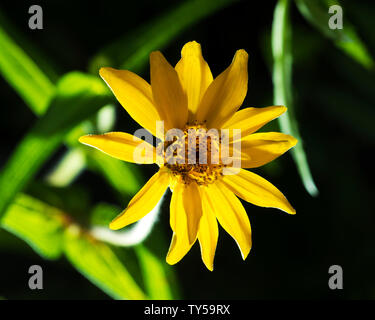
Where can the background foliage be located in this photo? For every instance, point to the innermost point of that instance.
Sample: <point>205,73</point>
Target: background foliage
<point>53,191</point>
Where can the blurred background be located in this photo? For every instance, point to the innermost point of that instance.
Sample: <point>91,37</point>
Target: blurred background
<point>53,190</point>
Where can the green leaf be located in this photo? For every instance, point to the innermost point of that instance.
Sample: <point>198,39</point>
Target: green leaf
<point>98,263</point>
<point>24,75</point>
<point>38,224</point>
<point>73,162</point>
<point>132,50</point>
<point>123,177</point>
<point>347,39</point>
<point>78,95</point>
<point>33,85</point>
<point>157,275</point>
<point>50,233</point>
<point>21,38</point>
<point>282,80</point>
<point>103,213</point>
<point>154,274</point>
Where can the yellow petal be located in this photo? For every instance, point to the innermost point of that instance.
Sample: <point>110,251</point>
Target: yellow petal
<point>186,206</point>
<point>178,248</point>
<point>134,94</point>
<point>260,148</point>
<point>144,201</point>
<point>169,97</point>
<point>123,146</point>
<point>193,209</point>
<point>231,215</point>
<point>185,215</point>
<point>250,120</point>
<point>195,75</point>
<point>180,244</point>
<point>208,231</point>
<point>257,190</point>
<point>225,94</point>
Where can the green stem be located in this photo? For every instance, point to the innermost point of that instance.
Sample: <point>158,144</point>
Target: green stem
<point>282,81</point>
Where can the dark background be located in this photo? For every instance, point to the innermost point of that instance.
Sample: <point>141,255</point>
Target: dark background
<point>334,103</point>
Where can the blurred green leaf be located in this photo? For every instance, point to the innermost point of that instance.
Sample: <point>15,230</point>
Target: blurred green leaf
<point>154,269</point>
<point>50,233</point>
<point>24,75</point>
<point>132,50</point>
<point>97,262</point>
<point>38,224</point>
<point>74,199</point>
<point>347,39</point>
<point>282,80</point>
<point>103,214</point>
<point>78,95</point>
<point>154,275</point>
<point>123,177</point>
<point>28,44</point>
<point>36,89</point>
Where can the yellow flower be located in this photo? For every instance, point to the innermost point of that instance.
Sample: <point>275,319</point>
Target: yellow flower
<point>187,97</point>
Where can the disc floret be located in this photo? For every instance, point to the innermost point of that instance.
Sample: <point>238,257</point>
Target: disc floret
<point>193,154</point>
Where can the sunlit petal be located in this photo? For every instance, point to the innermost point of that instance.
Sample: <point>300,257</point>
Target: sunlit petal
<point>257,190</point>
<point>169,97</point>
<point>231,215</point>
<point>208,231</point>
<point>144,201</point>
<point>249,120</point>
<point>134,94</point>
<point>260,148</point>
<point>195,75</point>
<point>185,215</point>
<point>186,204</point>
<point>225,94</point>
<point>123,146</point>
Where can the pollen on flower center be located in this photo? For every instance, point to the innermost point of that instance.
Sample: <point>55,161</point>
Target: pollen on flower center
<point>194,154</point>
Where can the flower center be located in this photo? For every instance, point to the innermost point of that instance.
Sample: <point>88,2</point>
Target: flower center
<point>194,154</point>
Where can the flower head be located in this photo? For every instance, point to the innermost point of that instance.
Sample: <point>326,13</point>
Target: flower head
<point>205,145</point>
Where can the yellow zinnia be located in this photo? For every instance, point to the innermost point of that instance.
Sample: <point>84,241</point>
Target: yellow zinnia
<point>187,97</point>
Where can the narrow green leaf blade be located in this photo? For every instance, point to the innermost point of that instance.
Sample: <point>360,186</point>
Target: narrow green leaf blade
<point>78,95</point>
<point>38,224</point>
<point>24,75</point>
<point>347,39</point>
<point>282,80</point>
<point>98,263</point>
<point>123,177</point>
<point>157,276</point>
<point>154,275</point>
<point>46,63</point>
